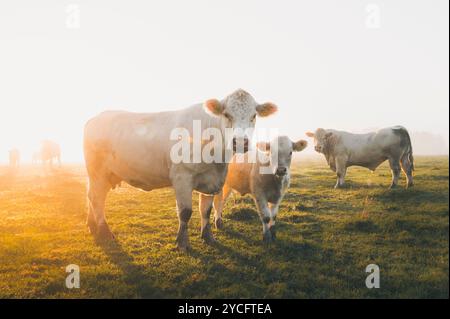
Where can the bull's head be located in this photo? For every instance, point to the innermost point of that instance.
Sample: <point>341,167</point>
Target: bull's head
<point>321,139</point>
<point>238,111</point>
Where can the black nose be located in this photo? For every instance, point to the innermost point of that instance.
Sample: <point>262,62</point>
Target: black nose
<point>281,171</point>
<point>240,144</point>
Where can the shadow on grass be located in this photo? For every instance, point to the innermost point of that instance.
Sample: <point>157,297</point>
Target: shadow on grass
<point>134,275</point>
<point>412,195</point>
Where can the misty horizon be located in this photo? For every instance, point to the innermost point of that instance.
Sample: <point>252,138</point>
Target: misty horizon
<point>351,66</point>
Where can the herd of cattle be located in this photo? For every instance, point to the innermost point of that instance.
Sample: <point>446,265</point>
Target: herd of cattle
<point>48,152</point>
<point>136,148</point>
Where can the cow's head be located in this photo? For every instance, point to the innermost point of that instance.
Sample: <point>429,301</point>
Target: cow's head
<point>238,111</point>
<point>280,150</point>
<point>321,139</point>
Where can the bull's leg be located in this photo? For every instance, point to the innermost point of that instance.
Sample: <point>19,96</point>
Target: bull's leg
<point>394,163</point>
<point>205,203</point>
<point>407,169</point>
<point>265,217</point>
<point>98,189</point>
<point>183,194</point>
<point>219,203</point>
<point>341,170</point>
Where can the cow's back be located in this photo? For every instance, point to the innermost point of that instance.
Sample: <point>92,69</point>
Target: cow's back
<point>135,147</point>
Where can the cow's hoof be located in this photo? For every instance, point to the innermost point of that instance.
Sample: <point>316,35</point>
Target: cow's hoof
<point>267,237</point>
<point>104,233</point>
<point>92,226</point>
<point>183,247</point>
<point>392,186</point>
<point>207,235</point>
<point>409,185</point>
<point>273,232</point>
<point>209,239</point>
<point>218,223</point>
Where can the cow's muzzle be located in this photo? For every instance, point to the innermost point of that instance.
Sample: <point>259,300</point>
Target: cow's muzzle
<point>281,171</point>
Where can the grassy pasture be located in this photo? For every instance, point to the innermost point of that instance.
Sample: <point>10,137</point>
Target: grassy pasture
<point>325,239</point>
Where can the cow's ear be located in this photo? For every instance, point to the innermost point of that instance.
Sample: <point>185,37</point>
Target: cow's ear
<point>299,145</point>
<point>263,146</point>
<point>266,109</point>
<point>213,107</point>
<point>310,134</point>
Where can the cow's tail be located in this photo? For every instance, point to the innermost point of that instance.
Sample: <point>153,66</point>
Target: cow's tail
<point>406,142</point>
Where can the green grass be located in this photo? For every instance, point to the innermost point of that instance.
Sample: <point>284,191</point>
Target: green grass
<point>325,239</point>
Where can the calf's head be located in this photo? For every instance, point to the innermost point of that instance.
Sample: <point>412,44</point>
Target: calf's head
<point>238,111</point>
<point>280,151</point>
<point>322,139</point>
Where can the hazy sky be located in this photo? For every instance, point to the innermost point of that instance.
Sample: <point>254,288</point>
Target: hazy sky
<point>348,64</point>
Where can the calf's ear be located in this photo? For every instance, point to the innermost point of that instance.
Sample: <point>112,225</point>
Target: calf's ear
<point>299,145</point>
<point>266,109</point>
<point>213,107</point>
<point>310,134</point>
<point>263,146</point>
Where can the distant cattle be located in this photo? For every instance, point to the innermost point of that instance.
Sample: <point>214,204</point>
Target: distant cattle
<point>14,158</point>
<point>343,149</point>
<point>266,187</point>
<point>50,151</point>
<point>136,148</point>
<point>36,157</point>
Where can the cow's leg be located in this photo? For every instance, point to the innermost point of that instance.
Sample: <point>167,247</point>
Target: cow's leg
<point>218,208</point>
<point>274,212</point>
<point>219,203</point>
<point>205,203</point>
<point>341,170</point>
<point>98,189</point>
<point>265,216</point>
<point>394,163</point>
<point>407,169</point>
<point>183,194</point>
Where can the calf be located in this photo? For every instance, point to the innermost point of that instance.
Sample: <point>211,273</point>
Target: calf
<point>343,149</point>
<point>266,188</point>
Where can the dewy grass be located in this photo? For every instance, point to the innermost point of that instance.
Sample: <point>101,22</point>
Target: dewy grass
<point>325,239</point>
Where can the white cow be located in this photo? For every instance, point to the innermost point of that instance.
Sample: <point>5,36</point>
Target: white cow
<point>14,158</point>
<point>266,188</point>
<point>49,151</point>
<point>136,147</point>
<point>343,149</point>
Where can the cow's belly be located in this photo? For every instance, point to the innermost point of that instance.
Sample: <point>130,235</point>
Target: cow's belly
<point>144,178</point>
<point>144,170</point>
<point>371,164</point>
